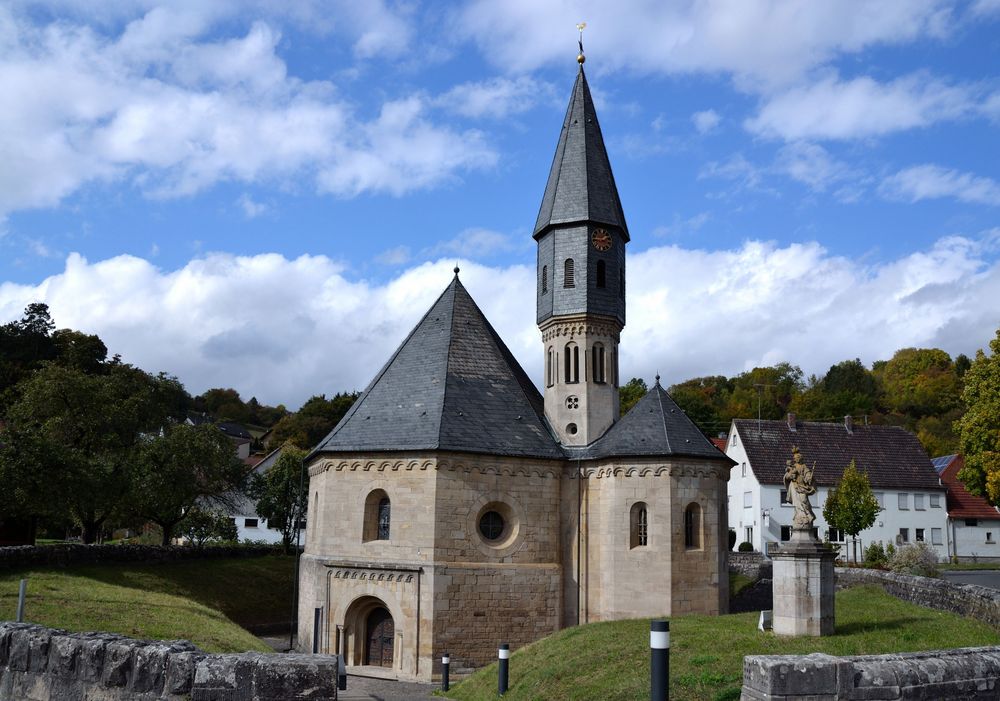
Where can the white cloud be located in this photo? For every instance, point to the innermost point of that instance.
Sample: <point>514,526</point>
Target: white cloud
<point>929,181</point>
<point>813,165</point>
<point>496,98</point>
<point>398,255</point>
<point>705,121</point>
<point>473,243</point>
<point>161,104</point>
<point>862,107</point>
<point>251,208</point>
<point>760,43</point>
<point>759,303</point>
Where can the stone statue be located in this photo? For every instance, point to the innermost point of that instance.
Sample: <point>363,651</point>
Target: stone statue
<point>799,484</point>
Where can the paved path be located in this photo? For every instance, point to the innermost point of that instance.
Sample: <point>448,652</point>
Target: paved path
<point>984,578</point>
<point>385,690</point>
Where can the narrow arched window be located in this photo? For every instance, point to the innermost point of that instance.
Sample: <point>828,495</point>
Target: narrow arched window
<point>598,363</point>
<point>377,516</point>
<point>550,367</point>
<point>601,275</point>
<point>692,526</point>
<point>572,363</point>
<point>545,279</point>
<point>568,279</point>
<point>638,519</point>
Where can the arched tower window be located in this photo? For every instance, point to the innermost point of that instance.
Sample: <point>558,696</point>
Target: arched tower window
<point>692,526</point>
<point>598,363</point>
<point>601,275</point>
<point>638,520</point>
<point>572,363</point>
<point>550,367</point>
<point>378,512</point>
<point>568,279</point>
<point>545,279</point>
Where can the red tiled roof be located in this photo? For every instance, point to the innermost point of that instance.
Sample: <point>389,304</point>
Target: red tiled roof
<point>892,457</point>
<point>719,443</point>
<point>962,504</point>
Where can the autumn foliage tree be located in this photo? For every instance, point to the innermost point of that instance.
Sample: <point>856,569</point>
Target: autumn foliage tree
<point>979,427</point>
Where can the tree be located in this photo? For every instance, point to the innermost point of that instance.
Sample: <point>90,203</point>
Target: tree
<point>979,428</point>
<point>704,401</point>
<point>70,441</point>
<point>772,389</point>
<point>310,424</point>
<point>24,345</point>
<point>851,506</point>
<point>183,466</point>
<point>278,493</point>
<point>630,394</point>
<point>200,526</point>
<point>919,382</point>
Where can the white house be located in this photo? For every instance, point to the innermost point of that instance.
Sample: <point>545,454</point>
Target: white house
<point>902,477</point>
<point>249,524</point>
<point>973,525</point>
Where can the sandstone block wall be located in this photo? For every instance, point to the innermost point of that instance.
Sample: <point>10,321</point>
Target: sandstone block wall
<point>752,565</point>
<point>42,664</point>
<point>965,674</point>
<point>981,603</point>
<point>23,556</point>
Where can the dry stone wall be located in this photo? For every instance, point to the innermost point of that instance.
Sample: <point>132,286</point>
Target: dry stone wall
<point>23,556</point>
<point>39,663</point>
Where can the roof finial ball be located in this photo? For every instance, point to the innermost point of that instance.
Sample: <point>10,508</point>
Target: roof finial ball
<point>581,58</point>
<point>456,269</point>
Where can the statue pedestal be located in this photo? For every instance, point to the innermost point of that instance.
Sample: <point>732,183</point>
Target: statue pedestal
<point>803,586</point>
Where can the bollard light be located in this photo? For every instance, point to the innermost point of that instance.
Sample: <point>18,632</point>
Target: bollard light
<point>659,662</point>
<point>503,656</point>
<point>445,664</point>
<point>22,591</point>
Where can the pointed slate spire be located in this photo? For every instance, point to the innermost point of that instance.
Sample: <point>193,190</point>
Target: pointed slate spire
<point>581,187</point>
<point>451,385</point>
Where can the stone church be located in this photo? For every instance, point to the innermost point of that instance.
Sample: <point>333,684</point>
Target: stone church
<point>455,507</point>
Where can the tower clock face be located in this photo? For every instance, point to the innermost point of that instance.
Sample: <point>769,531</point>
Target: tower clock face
<point>602,240</point>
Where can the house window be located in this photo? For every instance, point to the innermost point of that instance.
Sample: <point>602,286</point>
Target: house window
<point>904,535</point>
<point>748,532</point>
<point>550,367</point>
<point>545,279</point>
<point>377,518</point>
<point>936,536</point>
<point>568,280</point>
<point>733,442</point>
<point>747,500</point>
<point>918,502</point>
<point>989,537</point>
<point>973,522</point>
<point>638,525</point>
<point>920,535</point>
<point>250,523</point>
<point>744,469</point>
<point>904,501</point>
<point>601,275</point>
<point>692,526</point>
<point>835,535</point>
<point>935,501</point>
<point>880,498</point>
<point>786,533</point>
<point>598,363</point>
<point>785,501</point>
<point>572,363</point>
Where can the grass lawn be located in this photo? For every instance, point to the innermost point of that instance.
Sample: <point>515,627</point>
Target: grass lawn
<point>611,660</point>
<point>204,601</point>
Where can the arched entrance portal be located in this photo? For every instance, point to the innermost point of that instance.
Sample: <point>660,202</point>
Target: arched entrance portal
<point>379,633</point>
<point>371,635</point>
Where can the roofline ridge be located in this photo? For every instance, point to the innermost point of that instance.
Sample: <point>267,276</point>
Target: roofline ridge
<point>663,417</point>
<point>447,358</point>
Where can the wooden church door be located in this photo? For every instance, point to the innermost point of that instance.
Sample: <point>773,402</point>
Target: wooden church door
<point>380,638</point>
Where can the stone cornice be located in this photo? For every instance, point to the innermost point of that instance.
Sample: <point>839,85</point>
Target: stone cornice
<point>580,325</point>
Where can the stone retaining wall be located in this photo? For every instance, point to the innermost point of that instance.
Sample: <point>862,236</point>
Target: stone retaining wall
<point>22,556</point>
<point>753,565</point>
<point>39,663</point>
<point>981,603</point>
<point>963,674</point>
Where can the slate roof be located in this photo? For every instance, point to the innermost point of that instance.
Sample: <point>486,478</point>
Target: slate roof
<point>234,430</point>
<point>962,504</point>
<point>891,456</point>
<point>655,426</point>
<point>451,385</point>
<point>581,186</point>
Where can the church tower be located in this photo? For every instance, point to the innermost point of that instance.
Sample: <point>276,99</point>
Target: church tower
<point>581,235</point>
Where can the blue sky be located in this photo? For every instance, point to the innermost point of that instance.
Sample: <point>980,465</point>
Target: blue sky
<point>268,195</point>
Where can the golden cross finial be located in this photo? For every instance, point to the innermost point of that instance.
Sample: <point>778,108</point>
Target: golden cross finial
<point>581,58</point>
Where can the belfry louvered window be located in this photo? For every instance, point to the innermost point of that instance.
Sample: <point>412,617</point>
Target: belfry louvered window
<point>545,279</point>
<point>568,278</point>
<point>572,363</point>
<point>598,365</point>
<point>601,274</point>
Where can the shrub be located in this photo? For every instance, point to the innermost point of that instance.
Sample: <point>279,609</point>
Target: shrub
<point>746,547</point>
<point>875,555</point>
<point>890,550</point>
<point>919,559</point>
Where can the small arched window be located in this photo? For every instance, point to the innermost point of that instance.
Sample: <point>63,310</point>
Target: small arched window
<point>692,526</point>
<point>568,278</point>
<point>598,363</point>
<point>601,275</point>
<point>545,279</point>
<point>638,520</point>
<point>550,367</point>
<point>377,519</point>
<point>572,363</point>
